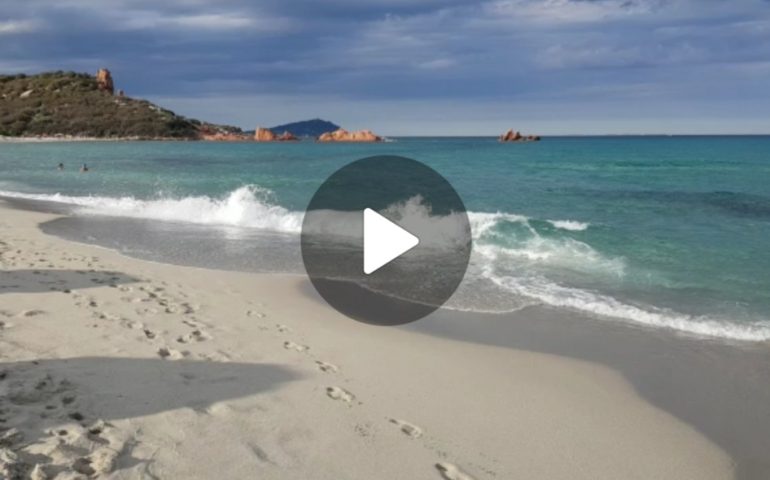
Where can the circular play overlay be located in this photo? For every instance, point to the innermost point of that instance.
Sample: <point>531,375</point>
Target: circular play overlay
<point>386,240</point>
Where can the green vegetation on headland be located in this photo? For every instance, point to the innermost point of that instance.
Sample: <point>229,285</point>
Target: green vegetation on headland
<point>69,104</point>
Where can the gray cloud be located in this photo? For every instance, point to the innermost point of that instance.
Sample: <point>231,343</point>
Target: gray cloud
<point>698,57</point>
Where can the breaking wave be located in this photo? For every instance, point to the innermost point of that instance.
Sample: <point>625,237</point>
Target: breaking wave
<point>247,206</point>
<point>570,225</point>
<point>520,256</point>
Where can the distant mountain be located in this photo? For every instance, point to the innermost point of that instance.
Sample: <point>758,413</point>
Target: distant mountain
<point>307,128</point>
<point>82,105</point>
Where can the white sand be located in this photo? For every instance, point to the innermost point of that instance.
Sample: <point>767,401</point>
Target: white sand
<point>142,370</point>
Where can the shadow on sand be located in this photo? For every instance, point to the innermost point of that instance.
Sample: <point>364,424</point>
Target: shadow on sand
<point>121,388</point>
<point>39,397</point>
<point>47,280</point>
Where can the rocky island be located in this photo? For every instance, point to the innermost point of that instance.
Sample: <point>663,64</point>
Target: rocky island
<point>515,136</point>
<point>268,135</point>
<point>313,128</point>
<point>343,135</point>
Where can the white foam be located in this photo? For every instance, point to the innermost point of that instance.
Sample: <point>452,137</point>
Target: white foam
<point>517,266</point>
<point>434,231</point>
<point>244,207</point>
<point>571,225</point>
<point>482,223</point>
<point>558,296</point>
<point>529,248</point>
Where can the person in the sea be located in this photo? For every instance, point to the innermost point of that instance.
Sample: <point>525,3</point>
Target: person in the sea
<point>84,168</point>
<point>61,166</point>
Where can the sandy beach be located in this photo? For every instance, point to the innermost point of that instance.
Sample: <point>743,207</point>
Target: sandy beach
<point>113,367</point>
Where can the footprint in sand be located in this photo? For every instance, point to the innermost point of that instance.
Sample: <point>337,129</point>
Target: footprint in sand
<point>171,354</point>
<point>190,323</point>
<point>408,429</point>
<point>194,336</point>
<point>339,393</point>
<point>452,472</point>
<point>182,308</point>
<point>256,314</point>
<point>295,346</point>
<point>282,328</point>
<point>327,367</point>
<point>131,324</point>
<point>188,309</point>
<point>30,313</point>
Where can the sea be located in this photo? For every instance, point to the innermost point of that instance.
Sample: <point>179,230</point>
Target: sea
<point>663,232</point>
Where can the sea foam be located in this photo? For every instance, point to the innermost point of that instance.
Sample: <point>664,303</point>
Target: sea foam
<point>507,250</point>
<point>247,206</point>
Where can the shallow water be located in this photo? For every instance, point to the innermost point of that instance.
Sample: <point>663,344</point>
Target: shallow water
<point>665,231</point>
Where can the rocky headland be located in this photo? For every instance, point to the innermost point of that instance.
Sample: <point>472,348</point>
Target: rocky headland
<point>78,106</point>
<point>74,105</point>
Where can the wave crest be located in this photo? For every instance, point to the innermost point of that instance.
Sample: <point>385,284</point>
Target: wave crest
<point>247,206</point>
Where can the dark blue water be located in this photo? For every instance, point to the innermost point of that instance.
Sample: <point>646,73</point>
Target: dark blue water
<point>667,231</point>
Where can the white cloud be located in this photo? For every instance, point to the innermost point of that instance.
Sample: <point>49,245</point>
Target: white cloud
<point>567,11</point>
<point>13,27</point>
<point>605,55</point>
<point>437,64</point>
<point>143,19</point>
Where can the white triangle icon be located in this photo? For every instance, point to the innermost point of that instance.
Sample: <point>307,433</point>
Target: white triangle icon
<point>384,241</point>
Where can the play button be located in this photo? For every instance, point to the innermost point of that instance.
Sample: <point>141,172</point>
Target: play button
<point>386,240</point>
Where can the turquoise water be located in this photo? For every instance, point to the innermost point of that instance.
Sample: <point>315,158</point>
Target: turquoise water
<point>671,232</point>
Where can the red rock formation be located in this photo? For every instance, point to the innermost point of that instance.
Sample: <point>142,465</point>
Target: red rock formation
<point>264,135</point>
<point>287,137</point>
<point>223,137</point>
<point>343,135</point>
<point>512,136</point>
<point>213,133</point>
<point>104,81</point>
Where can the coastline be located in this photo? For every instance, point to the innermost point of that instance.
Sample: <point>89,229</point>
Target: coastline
<point>256,371</point>
<point>68,139</point>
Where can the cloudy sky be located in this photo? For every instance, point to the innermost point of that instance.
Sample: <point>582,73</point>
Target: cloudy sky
<point>419,66</point>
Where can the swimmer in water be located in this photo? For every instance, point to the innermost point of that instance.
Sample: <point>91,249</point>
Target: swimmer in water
<point>84,168</point>
<point>61,166</point>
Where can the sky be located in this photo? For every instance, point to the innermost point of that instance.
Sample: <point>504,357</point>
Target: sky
<point>418,67</point>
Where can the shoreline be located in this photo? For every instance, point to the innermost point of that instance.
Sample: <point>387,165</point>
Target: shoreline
<point>121,233</point>
<point>554,383</point>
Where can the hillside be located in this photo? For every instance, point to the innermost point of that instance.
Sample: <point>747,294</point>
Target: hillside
<point>306,128</point>
<point>81,105</point>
